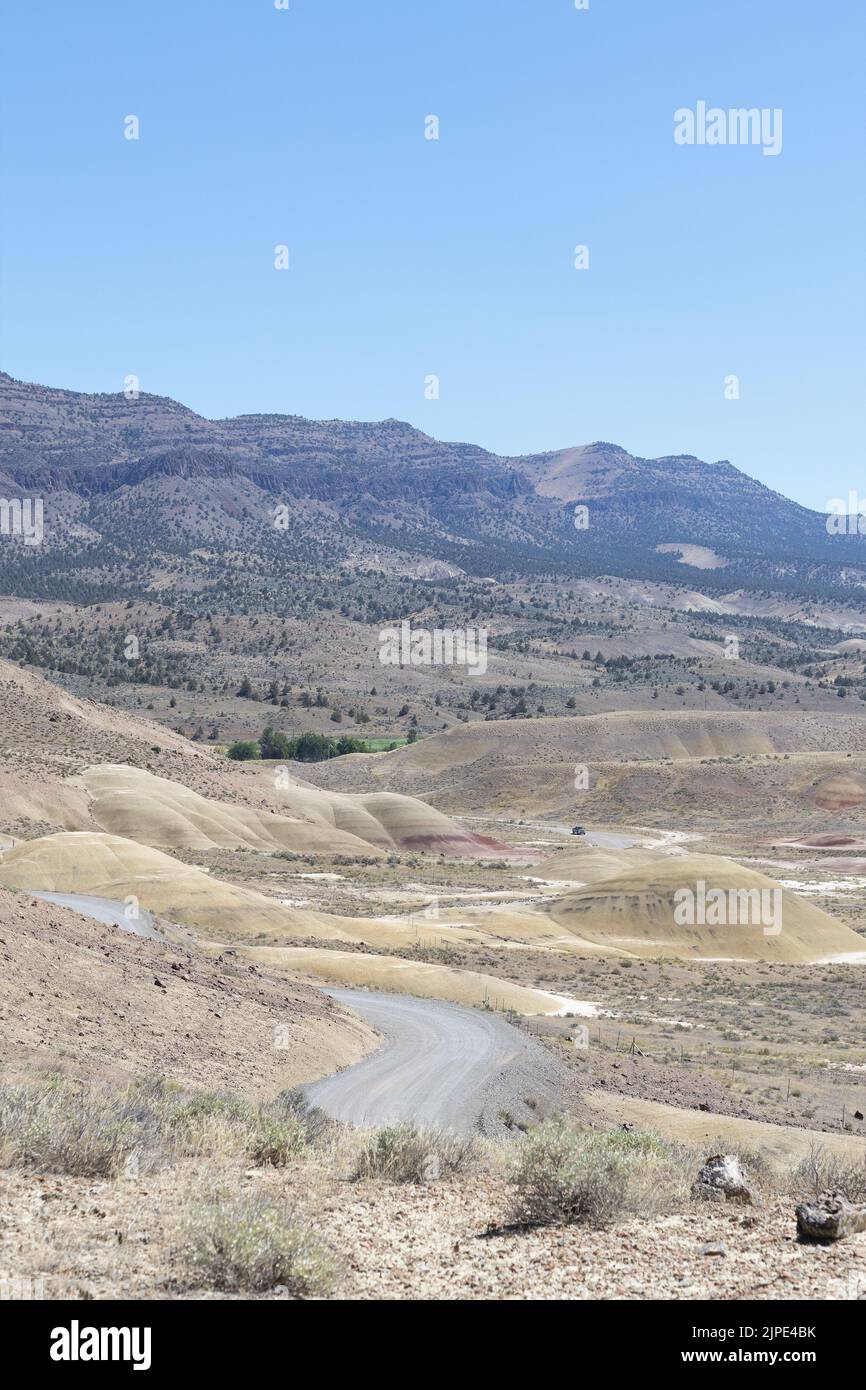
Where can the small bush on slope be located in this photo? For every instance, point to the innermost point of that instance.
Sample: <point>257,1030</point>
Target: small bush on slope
<point>94,1131</point>
<point>253,1244</point>
<point>405,1153</point>
<point>566,1176</point>
<point>821,1172</point>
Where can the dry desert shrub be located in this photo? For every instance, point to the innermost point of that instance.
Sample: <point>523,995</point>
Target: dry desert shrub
<point>567,1176</point>
<point>404,1153</point>
<point>253,1244</point>
<point>202,1124</point>
<point>823,1172</point>
<point>61,1129</point>
<point>317,1126</point>
<point>97,1131</point>
<point>276,1139</point>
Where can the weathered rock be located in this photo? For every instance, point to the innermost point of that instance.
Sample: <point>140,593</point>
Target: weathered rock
<point>830,1217</point>
<point>722,1179</point>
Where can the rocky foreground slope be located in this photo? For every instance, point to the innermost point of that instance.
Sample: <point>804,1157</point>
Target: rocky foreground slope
<point>84,999</point>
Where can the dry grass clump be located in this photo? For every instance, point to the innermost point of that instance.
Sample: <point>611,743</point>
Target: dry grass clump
<point>253,1244</point>
<point>59,1129</point>
<point>566,1176</point>
<point>281,1131</point>
<point>822,1172</point>
<point>94,1131</point>
<point>207,1124</point>
<point>404,1153</point>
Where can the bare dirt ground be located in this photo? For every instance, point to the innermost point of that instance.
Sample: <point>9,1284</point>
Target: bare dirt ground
<point>99,1239</point>
<point>84,999</point>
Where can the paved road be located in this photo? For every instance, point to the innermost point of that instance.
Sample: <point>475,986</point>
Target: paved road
<point>441,1065</point>
<point>106,910</point>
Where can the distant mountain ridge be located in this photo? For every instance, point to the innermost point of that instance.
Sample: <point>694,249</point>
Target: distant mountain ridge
<point>385,483</point>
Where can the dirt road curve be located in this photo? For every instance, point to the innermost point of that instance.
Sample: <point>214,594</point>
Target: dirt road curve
<point>602,839</point>
<point>106,910</point>
<point>440,1065</point>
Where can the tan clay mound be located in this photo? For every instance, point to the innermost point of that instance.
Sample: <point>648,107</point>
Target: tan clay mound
<point>132,802</point>
<point>587,863</point>
<point>389,820</point>
<point>412,977</point>
<point>841,792</point>
<point>673,908</point>
<point>108,866</point>
<point>83,998</point>
<point>625,735</point>
<point>412,825</point>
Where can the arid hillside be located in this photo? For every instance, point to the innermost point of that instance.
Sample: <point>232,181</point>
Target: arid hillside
<point>714,770</point>
<point>79,765</point>
<point>150,479</point>
<point>88,1000</point>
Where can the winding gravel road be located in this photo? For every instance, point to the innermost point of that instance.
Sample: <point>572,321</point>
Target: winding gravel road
<point>106,910</point>
<point>441,1065</point>
<point>601,839</point>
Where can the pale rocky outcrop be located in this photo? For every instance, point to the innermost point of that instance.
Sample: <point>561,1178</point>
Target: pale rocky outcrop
<point>722,1179</point>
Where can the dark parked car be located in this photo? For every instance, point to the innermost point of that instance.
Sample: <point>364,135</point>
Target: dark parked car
<point>578,830</point>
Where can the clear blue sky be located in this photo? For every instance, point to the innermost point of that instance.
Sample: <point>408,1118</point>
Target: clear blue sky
<point>411,257</point>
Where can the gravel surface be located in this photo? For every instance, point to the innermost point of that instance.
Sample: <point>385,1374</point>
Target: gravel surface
<point>442,1065</point>
<point>105,910</point>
